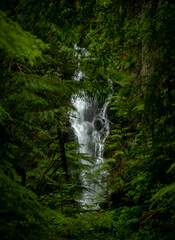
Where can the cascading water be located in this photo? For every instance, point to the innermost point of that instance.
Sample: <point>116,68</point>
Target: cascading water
<point>91,127</point>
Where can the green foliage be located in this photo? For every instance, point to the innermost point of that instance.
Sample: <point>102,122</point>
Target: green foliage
<point>128,44</point>
<point>18,43</point>
<point>21,215</point>
<point>35,100</point>
<point>126,39</point>
<point>88,226</point>
<point>168,189</point>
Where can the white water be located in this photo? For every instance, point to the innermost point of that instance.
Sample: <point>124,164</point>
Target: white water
<point>91,127</point>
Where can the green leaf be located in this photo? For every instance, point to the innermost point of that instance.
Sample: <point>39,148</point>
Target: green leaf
<point>18,43</point>
<point>168,189</point>
<point>139,107</point>
<point>119,153</point>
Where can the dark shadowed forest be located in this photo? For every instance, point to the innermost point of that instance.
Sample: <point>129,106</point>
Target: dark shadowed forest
<point>125,53</point>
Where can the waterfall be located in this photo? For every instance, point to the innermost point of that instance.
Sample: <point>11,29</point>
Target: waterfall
<point>91,127</point>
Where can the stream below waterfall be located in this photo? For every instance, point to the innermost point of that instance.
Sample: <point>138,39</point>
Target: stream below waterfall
<point>91,127</point>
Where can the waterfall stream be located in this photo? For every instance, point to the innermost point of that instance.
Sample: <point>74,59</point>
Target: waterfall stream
<point>91,127</point>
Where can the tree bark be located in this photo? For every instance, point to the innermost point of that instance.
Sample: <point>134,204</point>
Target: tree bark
<point>63,155</point>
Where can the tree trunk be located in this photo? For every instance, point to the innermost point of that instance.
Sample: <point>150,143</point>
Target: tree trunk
<point>63,155</point>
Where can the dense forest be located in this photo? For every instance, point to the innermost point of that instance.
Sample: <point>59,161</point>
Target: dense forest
<point>127,44</point>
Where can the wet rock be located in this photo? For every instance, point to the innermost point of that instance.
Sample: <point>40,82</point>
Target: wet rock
<point>98,124</point>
